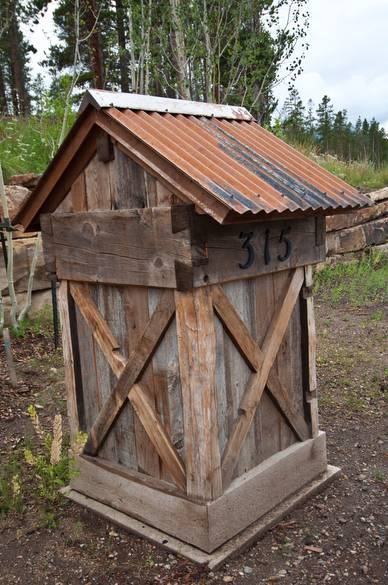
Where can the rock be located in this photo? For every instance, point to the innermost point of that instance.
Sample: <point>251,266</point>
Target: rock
<point>16,196</point>
<point>247,570</point>
<point>228,579</point>
<point>29,180</point>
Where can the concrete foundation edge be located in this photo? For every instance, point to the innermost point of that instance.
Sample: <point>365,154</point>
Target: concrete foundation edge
<point>232,547</point>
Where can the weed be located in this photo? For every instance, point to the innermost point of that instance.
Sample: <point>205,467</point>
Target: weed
<point>11,498</point>
<point>40,324</point>
<point>361,281</point>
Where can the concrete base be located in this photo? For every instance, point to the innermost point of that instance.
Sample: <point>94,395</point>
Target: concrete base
<point>231,547</point>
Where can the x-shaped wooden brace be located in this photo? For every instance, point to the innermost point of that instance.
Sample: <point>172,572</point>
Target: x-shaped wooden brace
<point>128,372</point>
<point>261,362</point>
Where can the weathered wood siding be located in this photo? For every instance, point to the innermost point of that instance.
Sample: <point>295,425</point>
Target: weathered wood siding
<point>121,184</point>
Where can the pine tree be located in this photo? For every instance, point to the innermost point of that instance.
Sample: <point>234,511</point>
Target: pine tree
<point>325,123</point>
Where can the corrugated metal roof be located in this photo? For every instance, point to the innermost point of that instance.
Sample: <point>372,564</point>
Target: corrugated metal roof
<point>241,164</point>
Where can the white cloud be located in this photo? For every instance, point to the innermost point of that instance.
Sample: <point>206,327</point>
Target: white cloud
<point>348,57</point>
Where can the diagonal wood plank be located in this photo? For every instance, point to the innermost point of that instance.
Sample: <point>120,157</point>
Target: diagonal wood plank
<point>99,327</point>
<point>157,434</point>
<point>258,380</point>
<point>252,353</point>
<point>137,361</point>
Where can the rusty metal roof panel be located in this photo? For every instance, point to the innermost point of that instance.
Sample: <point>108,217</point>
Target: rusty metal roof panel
<point>242,165</point>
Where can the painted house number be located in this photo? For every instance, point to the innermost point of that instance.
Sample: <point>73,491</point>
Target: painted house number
<point>247,245</point>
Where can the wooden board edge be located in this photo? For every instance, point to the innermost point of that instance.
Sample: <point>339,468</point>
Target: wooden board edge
<point>231,548</point>
<point>264,487</point>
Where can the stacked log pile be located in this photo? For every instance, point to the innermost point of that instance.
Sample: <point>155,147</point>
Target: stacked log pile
<point>353,232</point>
<point>18,190</point>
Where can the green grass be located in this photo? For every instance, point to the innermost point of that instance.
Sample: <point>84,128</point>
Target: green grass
<point>362,175</point>
<point>358,282</point>
<point>28,144</point>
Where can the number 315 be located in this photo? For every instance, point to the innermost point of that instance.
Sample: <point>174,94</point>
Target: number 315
<point>250,250</point>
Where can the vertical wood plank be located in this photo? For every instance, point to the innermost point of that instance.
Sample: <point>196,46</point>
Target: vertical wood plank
<point>136,315</point>
<point>309,349</point>
<point>68,359</point>
<point>97,184</point>
<point>196,346</point>
<point>127,181</point>
<point>286,363</point>
<point>267,417</point>
<point>168,395</point>
<point>122,435</point>
<point>237,372</point>
<point>78,194</point>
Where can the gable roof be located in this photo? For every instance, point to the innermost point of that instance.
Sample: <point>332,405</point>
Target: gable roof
<point>216,156</point>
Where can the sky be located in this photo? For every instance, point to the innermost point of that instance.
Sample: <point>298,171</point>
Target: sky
<point>347,58</point>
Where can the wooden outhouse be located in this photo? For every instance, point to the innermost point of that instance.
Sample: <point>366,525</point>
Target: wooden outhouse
<point>183,237</point>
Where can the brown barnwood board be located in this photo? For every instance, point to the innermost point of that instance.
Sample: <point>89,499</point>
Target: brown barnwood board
<point>255,493</point>
<point>98,326</point>
<point>232,547</point>
<point>225,252</point>
<point>177,516</point>
<point>68,361</point>
<point>120,247</point>
<point>137,361</point>
<point>251,351</point>
<point>145,410</point>
<point>258,380</point>
<point>127,181</point>
<point>48,243</point>
<point>78,194</point>
<point>196,346</point>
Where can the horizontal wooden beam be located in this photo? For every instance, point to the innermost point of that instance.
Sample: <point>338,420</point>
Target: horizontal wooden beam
<point>129,247</point>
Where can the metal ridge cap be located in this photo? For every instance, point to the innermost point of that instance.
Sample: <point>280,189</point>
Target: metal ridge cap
<point>100,99</point>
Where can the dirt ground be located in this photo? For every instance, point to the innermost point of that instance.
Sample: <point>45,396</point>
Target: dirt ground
<point>338,537</point>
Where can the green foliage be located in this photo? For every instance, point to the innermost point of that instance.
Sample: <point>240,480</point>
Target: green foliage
<point>40,324</point>
<point>10,487</point>
<point>28,144</point>
<point>363,175</point>
<point>358,282</point>
<point>330,133</point>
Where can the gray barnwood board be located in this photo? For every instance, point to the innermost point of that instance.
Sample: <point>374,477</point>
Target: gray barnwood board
<point>286,363</point>
<point>237,371</point>
<point>177,516</point>
<point>135,314</point>
<point>120,247</point>
<point>224,248</point>
<point>168,393</point>
<point>255,493</point>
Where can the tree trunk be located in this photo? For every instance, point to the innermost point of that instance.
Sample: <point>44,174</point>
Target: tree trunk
<point>3,96</point>
<point>178,43</point>
<point>123,51</point>
<point>95,45</point>
<point>20,96</point>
